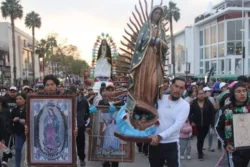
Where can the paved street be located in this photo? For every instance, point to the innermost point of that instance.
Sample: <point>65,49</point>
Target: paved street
<point>211,159</point>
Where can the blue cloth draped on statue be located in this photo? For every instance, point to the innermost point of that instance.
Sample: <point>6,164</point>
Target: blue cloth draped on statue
<point>124,126</point>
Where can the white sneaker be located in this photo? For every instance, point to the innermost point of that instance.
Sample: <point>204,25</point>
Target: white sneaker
<point>182,157</point>
<point>4,164</point>
<point>82,163</point>
<point>188,157</point>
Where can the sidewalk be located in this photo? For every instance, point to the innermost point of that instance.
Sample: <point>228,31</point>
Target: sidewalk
<point>210,158</point>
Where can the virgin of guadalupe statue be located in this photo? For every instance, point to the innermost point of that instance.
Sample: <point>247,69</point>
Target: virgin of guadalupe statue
<point>104,61</point>
<point>147,71</point>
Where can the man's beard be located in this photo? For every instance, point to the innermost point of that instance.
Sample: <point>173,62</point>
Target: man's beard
<point>174,98</point>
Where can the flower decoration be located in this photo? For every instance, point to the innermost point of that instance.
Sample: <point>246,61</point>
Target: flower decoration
<point>229,121</point>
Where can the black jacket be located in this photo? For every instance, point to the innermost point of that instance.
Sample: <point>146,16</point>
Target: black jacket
<point>82,111</point>
<point>18,128</point>
<point>91,100</point>
<point>5,124</point>
<point>220,127</point>
<point>8,102</point>
<point>202,116</point>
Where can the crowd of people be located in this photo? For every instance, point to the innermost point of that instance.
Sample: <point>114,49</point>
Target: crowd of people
<point>208,114</point>
<point>13,114</point>
<point>196,110</point>
<point>13,117</point>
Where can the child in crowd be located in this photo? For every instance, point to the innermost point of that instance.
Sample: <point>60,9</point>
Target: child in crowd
<point>185,134</point>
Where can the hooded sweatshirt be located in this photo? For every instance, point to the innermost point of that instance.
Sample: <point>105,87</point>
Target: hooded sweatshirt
<point>185,130</point>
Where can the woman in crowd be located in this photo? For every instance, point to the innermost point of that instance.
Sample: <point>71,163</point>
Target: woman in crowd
<point>208,94</point>
<point>108,100</point>
<point>202,116</point>
<point>192,94</point>
<point>18,117</point>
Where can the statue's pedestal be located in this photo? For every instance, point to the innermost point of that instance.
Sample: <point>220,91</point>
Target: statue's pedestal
<point>133,138</point>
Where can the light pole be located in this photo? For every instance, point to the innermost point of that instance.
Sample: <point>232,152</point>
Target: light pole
<point>243,36</point>
<point>2,79</point>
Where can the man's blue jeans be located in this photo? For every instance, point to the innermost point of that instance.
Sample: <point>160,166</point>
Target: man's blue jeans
<point>19,142</point>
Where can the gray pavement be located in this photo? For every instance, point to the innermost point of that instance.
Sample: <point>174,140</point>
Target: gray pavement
<point>210,158</point>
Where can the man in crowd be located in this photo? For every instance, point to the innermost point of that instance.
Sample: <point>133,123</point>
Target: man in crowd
<point>82,108</point>
<point>40,90</point>
<point>217,85</point>
<point>62,90</point>
<point>224,90</point>
<point>25,88</point>
<point>99,96</point>
<point>8,103</point>
<point>224,127</point>
<point>31,92</point>
<point>91,95</point>
<point>173,112</point>
<point>243,78</point>
<point>51,83</point>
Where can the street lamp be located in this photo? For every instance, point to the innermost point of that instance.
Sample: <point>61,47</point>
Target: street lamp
<point>243,36</point>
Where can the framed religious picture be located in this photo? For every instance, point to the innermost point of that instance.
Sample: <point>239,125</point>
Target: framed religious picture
<point>51,124</point>
<point>241,130</point>
<point>103,145</point>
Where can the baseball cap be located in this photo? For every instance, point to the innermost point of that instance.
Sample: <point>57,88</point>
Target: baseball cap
<point>110,86</point>
<point>26,87</point>
<point>13,88</point>
<point>231,85</point>
<point>90,88</point>
<point>222,84</point>
<point>205,89</point>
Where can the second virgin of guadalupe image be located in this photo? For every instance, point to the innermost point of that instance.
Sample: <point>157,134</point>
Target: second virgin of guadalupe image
<point>147,71</point>
<point>110,143</point>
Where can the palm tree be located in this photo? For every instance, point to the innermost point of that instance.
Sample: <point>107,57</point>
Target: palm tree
<point>42,50</point>
<point>12,9</point>
<point>33,20</point>
<point>173,13</point>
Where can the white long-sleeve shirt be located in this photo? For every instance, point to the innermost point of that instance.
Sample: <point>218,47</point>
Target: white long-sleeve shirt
<point>172,115</point>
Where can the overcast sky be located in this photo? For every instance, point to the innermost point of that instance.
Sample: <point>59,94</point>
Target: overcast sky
<point>80,21</point>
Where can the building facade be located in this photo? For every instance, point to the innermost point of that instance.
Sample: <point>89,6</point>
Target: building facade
<point>23,56</point>
<point>218,40</point>
<point>184,52</point>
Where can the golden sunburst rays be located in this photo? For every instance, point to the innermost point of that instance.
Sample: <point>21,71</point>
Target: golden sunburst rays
<point>139,17</point>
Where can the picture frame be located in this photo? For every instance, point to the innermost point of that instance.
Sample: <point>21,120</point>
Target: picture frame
<point>241,131</point>
<point>51,124</point>
<point>103,145</point>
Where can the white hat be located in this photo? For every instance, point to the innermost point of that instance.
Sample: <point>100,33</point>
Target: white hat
<point>26,87</point>
<point>90,88</point>
<point>222,84</point>
<point>194,83</point>
<point>110,86</point>
<point>13,88</point>
<point>205,89</point>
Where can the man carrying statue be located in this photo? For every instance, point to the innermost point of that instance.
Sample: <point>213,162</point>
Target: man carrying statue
<point>152,114</point>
